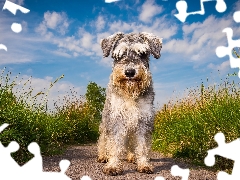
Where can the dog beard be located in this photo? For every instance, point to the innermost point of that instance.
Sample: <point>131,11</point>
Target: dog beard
<point>131,87</point>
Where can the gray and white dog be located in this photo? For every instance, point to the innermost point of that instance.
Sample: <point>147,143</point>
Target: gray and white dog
<point>128,114</point>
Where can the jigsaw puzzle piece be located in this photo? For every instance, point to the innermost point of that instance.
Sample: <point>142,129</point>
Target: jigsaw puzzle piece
<point>222,51</point>
<point>64,164</point>
<point>33,169</point>
<point>2,46</point>
<point>234,176</point>
<point>159,178</point>
<point>221,6</point>
<point>5,156</point>
<point>177,171</point>
<point>35,164</point>
<point>3,126</point>
<point>228,150</point>
<point>54,175</point>
<point>111,1</point>
<point>181,6</point>
<point>9,165</point>
<point>12,7</point>
<point>88,178</point>
<point>17,28</point>
<point>223,176</point>
<point>236,16</point>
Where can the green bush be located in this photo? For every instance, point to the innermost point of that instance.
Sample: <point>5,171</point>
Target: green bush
<point>75,121</point>
<point>95,97</point>
<point>186,128</point>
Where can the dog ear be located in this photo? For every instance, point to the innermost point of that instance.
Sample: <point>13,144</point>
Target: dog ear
<point>154,42</point>
<point>108,43</point>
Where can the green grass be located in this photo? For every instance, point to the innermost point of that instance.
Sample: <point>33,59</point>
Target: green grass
<point>185,128</point>
<point>72,122</point>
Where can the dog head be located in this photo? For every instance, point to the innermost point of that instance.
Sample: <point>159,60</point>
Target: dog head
<point>131,53</point>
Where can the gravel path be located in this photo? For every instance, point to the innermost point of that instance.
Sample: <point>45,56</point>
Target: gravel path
<point>83,162</point>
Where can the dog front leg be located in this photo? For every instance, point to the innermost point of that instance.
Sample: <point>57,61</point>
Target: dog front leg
<point>130,144</point>
<point>143,141</point>
<point>102,154</point>
<point>114,146</point>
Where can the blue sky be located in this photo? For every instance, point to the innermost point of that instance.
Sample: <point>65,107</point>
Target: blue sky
<point>62,37</point>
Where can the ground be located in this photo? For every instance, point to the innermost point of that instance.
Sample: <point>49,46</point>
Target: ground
<point>83,162</point>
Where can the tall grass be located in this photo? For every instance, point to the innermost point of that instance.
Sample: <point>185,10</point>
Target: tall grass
<point>30,121</point>
<point>185,128</point>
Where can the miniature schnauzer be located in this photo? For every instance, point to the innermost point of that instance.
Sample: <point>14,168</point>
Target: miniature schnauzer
<point>128,114</point>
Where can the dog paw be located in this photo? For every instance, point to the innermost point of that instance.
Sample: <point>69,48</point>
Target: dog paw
<point>113,171</point>
<point>102,159</point>
<point>145,169</point>
<point>131,159</point>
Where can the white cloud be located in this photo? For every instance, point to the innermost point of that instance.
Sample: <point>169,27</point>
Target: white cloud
<point>223,67</point>
<point>86,40</point>
<point>19,2</point>
<point>42,29</point>
<point>20,45</point>
<point>107,61</point>
<point>14,59</point>
<point>100,23</point>
<point>85,43</point>
<point>236,6</point>
<point>61,52</point>
<point>96,48</point>
<point>121,26</point>
<point>160,27</point>
<point>81,43</point>
<point>102,36</point>
<point>54,21</point>
<point>149,9</point>
<point>199,38</point>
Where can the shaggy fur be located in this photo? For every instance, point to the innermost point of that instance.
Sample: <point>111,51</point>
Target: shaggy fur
<point>128,114</point>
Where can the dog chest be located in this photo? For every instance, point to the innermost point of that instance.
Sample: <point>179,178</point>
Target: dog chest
<point>128,112</point>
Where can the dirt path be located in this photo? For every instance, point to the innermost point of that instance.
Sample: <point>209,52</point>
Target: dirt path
<point>83,162</point>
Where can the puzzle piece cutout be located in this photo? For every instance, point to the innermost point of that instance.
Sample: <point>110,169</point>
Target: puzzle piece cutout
<point>177,171</point>
<point>236,16</point>
<point>159,178</point>
<point>110,1</point>
<point>182,6</point>
<point>33,169</point>
<point>16,27</point>
<point>12,7</point>
<point>222,51</point>
<point>228,150</point>
<point>86,178</point>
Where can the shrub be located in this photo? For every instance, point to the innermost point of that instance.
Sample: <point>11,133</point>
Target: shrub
<point>186,128</point>
<point>74,121</point>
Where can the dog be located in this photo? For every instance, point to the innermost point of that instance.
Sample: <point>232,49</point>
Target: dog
<point>128,113</point>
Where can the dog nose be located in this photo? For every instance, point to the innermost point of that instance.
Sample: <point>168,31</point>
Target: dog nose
<point>130,73</point>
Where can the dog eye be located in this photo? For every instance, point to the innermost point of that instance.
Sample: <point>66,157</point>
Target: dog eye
<point>124,55</point>
<point>143,55</point>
